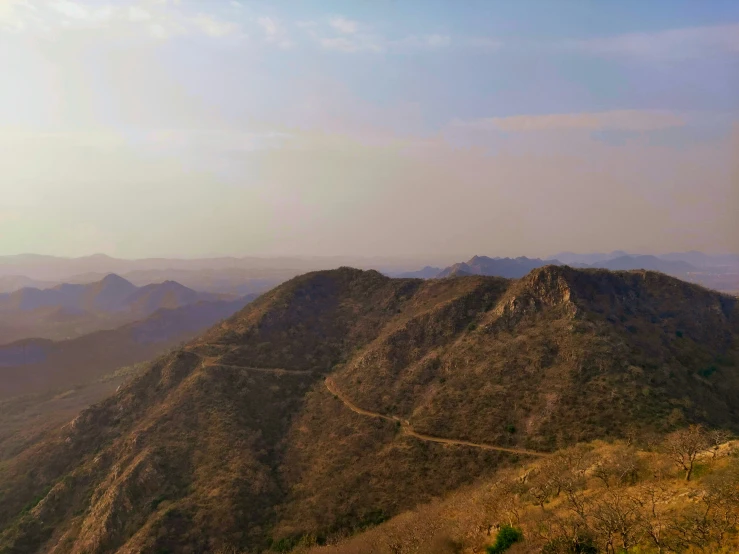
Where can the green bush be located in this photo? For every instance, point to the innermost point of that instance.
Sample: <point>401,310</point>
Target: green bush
<point>507,536</point>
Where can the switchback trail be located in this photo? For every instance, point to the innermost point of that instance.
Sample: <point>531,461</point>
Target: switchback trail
<point>406,427</point>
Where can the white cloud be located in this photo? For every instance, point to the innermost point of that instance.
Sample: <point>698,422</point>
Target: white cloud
<point>69,9</point>
<point>343,25</point>
<point>269,25</point>
<point>136,13</point>
<point>356,43</point>
<point>160,19</point>
<point>274,32</point>
<point>213,27</point>
<point>620,120</point>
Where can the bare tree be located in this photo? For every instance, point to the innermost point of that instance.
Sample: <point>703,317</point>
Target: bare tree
<point>653,499</point>
<point>620,467</point>
<point>615,519</point>
<point>717,438</point>
<point>683,447</point>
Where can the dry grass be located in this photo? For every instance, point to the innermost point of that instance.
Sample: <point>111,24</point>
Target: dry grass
<point>650,508</point>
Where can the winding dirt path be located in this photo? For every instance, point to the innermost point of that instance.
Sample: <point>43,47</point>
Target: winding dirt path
<point>213,362</point>
<point>404,424</point>
<point>407,429</point>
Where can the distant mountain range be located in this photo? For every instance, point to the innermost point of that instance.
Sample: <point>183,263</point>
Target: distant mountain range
<point>706,270</point>
<point>38,364</point>
<point>70,310</point>
<point>697,260</point>
<point>57,269</point>
<point>515,268</point>
<point>512,268</point>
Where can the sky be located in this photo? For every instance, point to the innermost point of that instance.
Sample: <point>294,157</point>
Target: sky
<point>398,128</point>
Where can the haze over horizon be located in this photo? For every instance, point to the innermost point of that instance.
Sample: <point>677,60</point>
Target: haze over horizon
<point>152,128</point>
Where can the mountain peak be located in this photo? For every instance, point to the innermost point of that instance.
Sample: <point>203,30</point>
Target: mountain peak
<point>114,279</point>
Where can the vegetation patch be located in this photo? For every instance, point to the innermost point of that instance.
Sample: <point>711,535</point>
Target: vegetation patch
<point>507,537</point>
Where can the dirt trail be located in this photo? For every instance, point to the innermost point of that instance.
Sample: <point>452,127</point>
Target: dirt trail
<point>211,362</point>
<point>406,427</point>
<point>404,424</point>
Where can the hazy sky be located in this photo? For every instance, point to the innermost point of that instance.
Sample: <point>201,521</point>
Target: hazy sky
<point>371,127</point>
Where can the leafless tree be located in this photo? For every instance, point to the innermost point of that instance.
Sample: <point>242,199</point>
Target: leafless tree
<point>717,437</point>
<point>683,447</point>
<point>615,518</point>
<point>620,467</point>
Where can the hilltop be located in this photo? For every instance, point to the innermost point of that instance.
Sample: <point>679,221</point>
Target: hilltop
<point>235,440</point>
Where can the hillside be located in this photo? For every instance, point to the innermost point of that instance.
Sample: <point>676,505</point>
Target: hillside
<point>590,498</point>
<point>236,440</point>
<point>37,364</point>
<point>72,310</point>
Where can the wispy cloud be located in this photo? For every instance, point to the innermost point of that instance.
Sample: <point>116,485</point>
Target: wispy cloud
<point>694,42</point>
<point>160,19</point>
<point>357,43</point>
<point>344,25</point>
<point>274,32</point>
<point>345,35</point>
<point>212,26</point>
<point>620,120</point>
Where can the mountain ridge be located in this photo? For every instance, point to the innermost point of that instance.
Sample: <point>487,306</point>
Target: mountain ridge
<point>202,452</point>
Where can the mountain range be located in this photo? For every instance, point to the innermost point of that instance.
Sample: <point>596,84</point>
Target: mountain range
<point>33,365</point>
<point>70,310</point>
<point>57,269</point>
<point>698,260</point>
<point>710,272</point>
<point>344,397</point>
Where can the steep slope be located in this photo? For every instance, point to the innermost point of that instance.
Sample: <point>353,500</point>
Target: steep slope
<point>236,441</point>
<point>36,364</point>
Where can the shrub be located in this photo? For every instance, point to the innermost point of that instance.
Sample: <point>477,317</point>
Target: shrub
<point>507,536</point>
